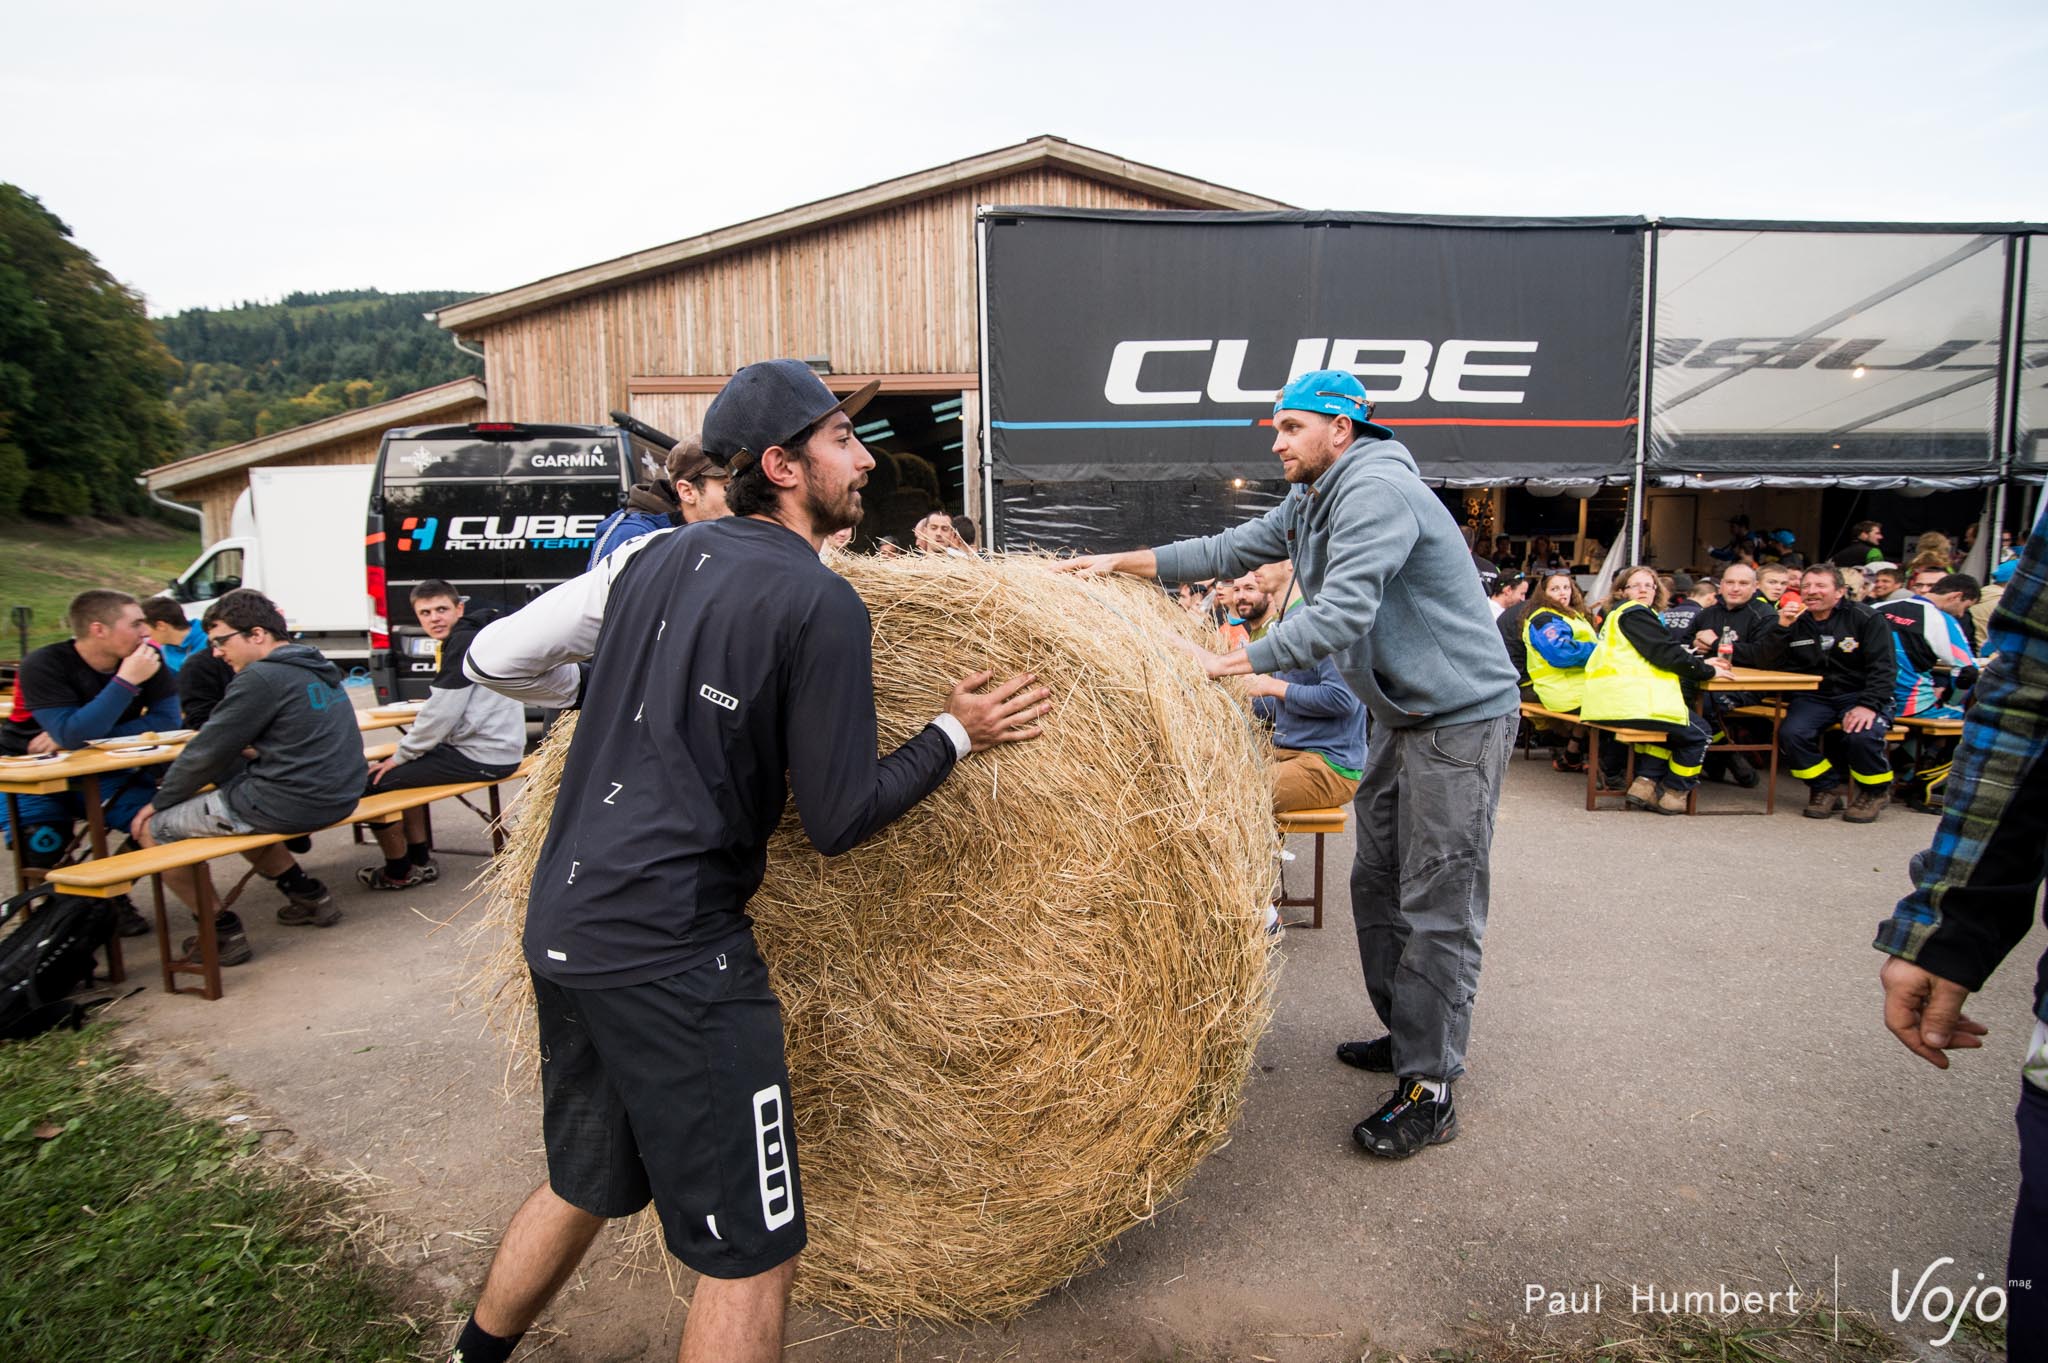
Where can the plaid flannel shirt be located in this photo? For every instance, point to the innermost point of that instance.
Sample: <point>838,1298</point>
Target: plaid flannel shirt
<point>1978,885</point>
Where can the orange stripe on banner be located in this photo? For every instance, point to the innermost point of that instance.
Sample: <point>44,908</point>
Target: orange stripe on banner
<point>377,538</point>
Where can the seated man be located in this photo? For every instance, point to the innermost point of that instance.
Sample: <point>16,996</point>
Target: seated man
<point>464,732</point>
<point>177,638</point>
<point>1318,724</point>
<point>1848,645</point>
<point>283,754</point>
<point>106,681</point>
<point>1935,667</point>
<point>1954,595</point>
<point>1510,589</point>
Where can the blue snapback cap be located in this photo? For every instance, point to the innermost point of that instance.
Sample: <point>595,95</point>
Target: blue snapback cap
<point>1332,392</point>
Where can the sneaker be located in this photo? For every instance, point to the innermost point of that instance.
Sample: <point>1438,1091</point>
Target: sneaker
<point>1823,803</point>
<point>1642,793</point>
<point>1376,1055</point>
<point>1867,804</point>
<point>374,878</point>
<point>230,942</point>
<point>1668,801</point>
<point>1406,1122</point>
<point>128,922</point>
<point>314,905</point>
<point>1569,761</point>
<point>426,872</point>
<point>1742,771</point>
<point>318,911</point>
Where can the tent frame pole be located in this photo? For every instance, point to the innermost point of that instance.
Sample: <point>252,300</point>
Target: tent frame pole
<point>1637,493</point>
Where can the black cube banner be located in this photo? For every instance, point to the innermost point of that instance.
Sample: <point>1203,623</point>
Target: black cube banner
<point>1150,346</point>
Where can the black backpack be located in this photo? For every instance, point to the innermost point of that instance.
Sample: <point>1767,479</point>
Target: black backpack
<point>46,956</point>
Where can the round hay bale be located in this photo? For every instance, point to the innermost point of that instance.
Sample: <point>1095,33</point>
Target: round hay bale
<point>1020,1016</point>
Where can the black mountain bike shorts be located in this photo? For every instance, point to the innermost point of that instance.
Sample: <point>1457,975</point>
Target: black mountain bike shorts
<point>677,1090</point>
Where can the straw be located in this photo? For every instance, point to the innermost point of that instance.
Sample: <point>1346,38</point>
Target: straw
<point>1020,1016</point>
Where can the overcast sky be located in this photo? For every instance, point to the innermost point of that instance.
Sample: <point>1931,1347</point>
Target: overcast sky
<point>211,152</point>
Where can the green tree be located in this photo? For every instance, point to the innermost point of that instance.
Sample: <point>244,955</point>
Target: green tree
<point>83,377</point>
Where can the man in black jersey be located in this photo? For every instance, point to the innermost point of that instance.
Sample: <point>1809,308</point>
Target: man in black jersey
<point>727,668</point>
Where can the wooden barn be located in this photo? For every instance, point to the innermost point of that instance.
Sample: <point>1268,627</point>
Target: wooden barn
<point>878,283</point>
<point>212,481</point>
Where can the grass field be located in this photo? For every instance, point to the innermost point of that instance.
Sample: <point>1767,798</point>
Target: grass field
<point>42,566</point>
<point>135,1231</point>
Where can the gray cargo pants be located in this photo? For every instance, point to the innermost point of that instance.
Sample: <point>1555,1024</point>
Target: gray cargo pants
<point>1424,826</point>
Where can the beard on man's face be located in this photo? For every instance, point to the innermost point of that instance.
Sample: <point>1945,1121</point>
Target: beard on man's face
<point>832,513</point>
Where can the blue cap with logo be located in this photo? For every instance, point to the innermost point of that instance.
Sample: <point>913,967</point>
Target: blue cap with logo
<point>1332,392</point>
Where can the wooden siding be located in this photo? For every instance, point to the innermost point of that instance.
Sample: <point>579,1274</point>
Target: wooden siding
<point>891,293</point>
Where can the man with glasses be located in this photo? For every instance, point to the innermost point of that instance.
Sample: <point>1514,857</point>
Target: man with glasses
<point>283,755</point>
<point>1392,596</point>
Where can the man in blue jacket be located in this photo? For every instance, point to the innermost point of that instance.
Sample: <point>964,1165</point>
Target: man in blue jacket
<point>1390,595</point>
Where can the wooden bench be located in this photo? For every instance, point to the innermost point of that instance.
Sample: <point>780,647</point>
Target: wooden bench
<point>105,877</point>
<point>1318,823</point>
<point>1594,728</point>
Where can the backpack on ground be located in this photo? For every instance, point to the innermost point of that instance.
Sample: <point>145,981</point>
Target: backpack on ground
<point>48,953</point>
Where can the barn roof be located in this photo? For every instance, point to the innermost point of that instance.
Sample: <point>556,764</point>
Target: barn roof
<point>424,405</point>
<point>1040,152</point>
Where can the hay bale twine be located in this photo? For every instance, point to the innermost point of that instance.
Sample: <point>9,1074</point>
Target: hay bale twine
<point>1021,1015</point>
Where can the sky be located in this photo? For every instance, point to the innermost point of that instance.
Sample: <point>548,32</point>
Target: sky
<point>210,153</point>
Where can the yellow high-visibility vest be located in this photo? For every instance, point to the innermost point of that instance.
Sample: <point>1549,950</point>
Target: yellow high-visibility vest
<point>1622,684</point>
<point>1559,688</point>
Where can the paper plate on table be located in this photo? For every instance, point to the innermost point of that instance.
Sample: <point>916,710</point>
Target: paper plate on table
<point>33,759</point>
<point>141,742</point>
<point>403,707</point>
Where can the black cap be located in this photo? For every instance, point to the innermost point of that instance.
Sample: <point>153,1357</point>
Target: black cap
<point>768,403</point>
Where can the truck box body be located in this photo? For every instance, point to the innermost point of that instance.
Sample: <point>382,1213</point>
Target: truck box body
<point>296,535</point>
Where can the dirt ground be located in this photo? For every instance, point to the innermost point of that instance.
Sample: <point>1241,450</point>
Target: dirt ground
<point>1678,1080</point>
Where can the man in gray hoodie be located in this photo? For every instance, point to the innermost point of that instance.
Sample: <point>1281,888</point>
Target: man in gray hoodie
<point>282,753</point>
<point>1390,593</point>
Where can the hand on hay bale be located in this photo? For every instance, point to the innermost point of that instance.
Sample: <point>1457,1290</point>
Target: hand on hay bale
<point>1003,715</point>
<point>1020,1016</point>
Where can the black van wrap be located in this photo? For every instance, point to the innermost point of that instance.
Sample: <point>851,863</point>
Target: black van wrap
<point>501,511</point>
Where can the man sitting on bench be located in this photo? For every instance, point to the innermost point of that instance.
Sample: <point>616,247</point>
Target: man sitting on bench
<point>464,732</point>
<point>105,681</point>
<point>283,754</point>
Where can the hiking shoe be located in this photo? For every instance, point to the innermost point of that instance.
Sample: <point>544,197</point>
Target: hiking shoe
<point>1868,803</point>
<point>318,911</point>
<point>374,878</point>
<point>1823,804</point>
<point>128,922</point>
<point>1406,1122</point>
<point>230,942</point>
<point>1742,771</point>
<point>1376,1055</point>
<point>1668,801</point>
<point>1642,793</point>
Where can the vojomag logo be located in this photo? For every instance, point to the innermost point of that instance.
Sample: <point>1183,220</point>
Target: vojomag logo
<point>418,532</point>
<point>1942,1305</point>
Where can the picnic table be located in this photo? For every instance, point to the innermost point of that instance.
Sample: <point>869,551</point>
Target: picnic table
<point>1772,688</point>
<point>86,765</point>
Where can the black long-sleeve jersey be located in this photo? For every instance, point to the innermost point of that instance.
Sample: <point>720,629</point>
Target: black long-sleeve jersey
<point>729,668</point>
